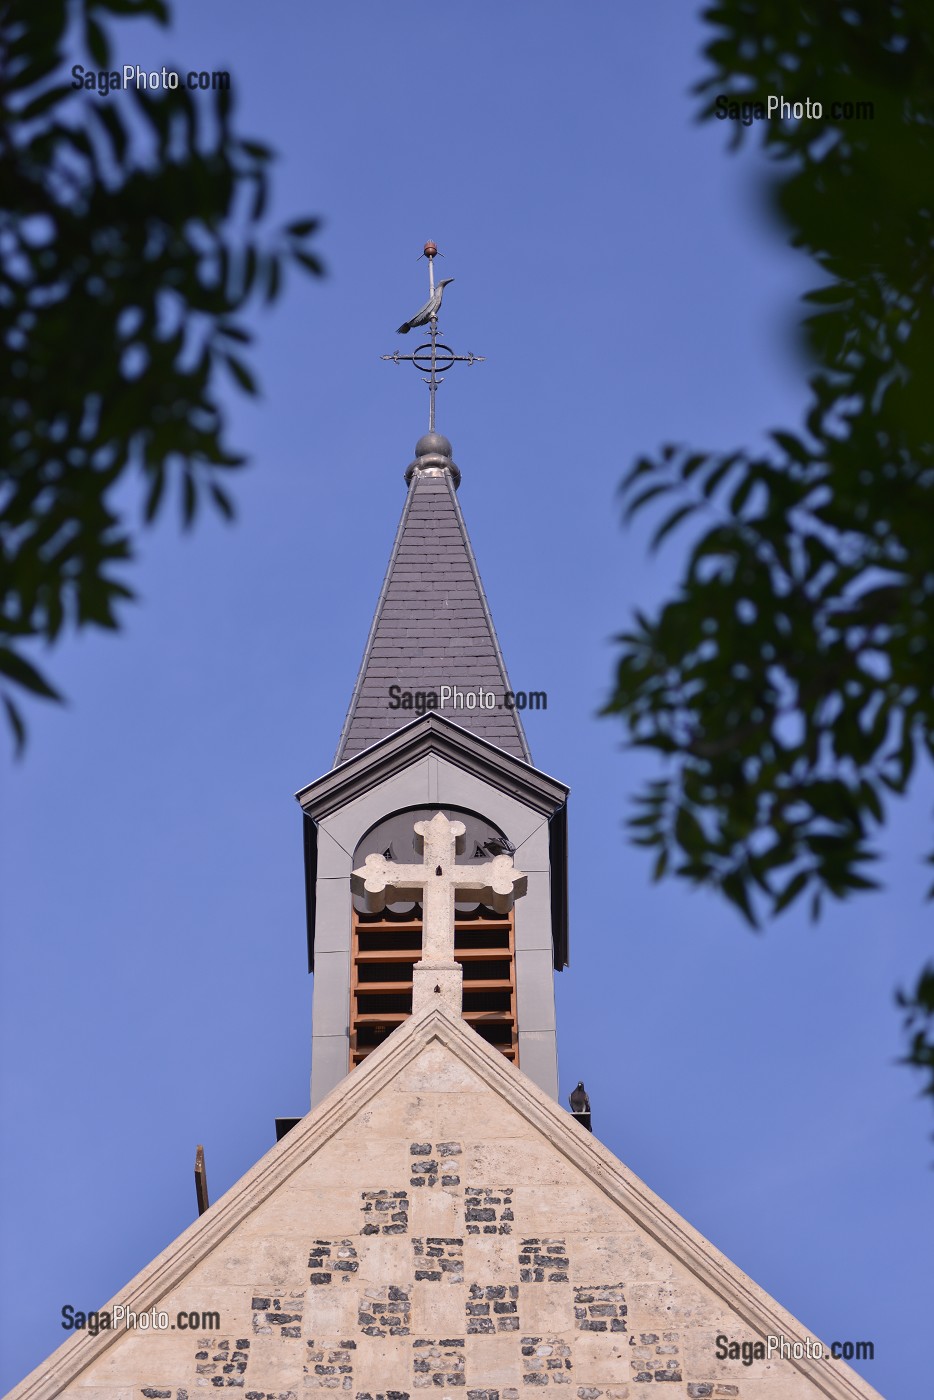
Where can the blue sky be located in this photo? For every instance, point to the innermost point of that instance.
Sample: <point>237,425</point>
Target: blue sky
<point>613,267</point>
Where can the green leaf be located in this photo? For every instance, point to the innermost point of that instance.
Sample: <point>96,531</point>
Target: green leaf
<point>790,893</point>
<point>241,374</point>
<point>302,228</point>
<point>18,669</point>
<point>649,494</point>
<point>42,104</point>
<point>673,521</point>
<point>97,43</point>
<point>793,446</point>
<point>154,495</point>
<point>222,501</point>
<point>16,724</point>
<point>307,260</point>
<point>189,500</point>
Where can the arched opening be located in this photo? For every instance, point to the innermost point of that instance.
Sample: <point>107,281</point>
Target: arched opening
<point>385,946</point>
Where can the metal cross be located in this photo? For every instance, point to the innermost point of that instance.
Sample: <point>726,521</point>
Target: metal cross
<point>436,882</point>
<point>433,355</point>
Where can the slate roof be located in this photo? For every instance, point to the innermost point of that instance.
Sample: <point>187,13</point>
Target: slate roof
<point>432,627</point>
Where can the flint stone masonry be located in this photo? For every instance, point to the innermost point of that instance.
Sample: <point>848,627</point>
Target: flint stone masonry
<point>329,1365</point>
<point>330,1258</point>
<point>488,1210</point>
<point>384,1312</point>
<point>496,1316</point>
<point>494,1308</point>
<point>438,1258</point>
<point>431,1165</point>
<point>280,1315</point>
<point>385,1212</point>
<point>655,1357</point>
<point>543,1261</point>
<point>438,1363</point>
<point>600,1308</point>
<point>544,1360</point>
<point>224,1364</point>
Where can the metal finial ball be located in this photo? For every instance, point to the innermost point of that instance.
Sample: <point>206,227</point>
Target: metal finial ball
<point>430,249</point>
<point>433,444</point>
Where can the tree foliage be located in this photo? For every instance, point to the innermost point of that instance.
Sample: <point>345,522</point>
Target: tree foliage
<point>789,681</point>
<point>131,242</point>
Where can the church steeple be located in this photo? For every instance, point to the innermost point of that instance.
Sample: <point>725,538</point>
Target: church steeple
<point>432,643</point>
<point>433,744</point>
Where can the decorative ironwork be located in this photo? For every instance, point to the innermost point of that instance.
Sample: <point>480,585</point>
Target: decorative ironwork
<point>433,358</point>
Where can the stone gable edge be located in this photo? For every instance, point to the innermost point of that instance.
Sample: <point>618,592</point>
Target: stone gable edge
<point>609,1175</point>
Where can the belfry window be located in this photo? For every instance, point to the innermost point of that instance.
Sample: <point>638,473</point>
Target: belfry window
<point>386,945</point>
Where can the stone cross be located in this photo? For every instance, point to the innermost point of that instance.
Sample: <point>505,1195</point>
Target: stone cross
<point>436,883</point>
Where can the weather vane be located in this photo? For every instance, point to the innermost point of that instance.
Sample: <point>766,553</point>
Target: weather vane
<point>433,358</point>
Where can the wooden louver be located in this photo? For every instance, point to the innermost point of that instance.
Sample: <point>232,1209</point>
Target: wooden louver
<point>385,947</point>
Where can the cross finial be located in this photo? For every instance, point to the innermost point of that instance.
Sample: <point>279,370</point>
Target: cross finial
<point>432,356</point>
<point>437,976</point>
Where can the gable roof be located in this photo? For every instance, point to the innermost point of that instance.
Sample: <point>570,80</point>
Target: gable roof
<point>409,1058</point>
<point>432,733</point>
<point>432,627</point>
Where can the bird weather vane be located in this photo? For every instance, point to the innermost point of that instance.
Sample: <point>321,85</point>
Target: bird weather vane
<point>433,358</point>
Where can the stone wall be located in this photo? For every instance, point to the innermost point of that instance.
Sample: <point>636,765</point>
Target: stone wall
<point>439,1242</point>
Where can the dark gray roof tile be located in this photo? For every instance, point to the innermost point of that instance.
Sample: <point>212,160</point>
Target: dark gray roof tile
<point>432,627</point>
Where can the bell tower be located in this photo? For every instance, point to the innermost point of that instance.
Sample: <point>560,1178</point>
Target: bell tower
<point>431,728</point>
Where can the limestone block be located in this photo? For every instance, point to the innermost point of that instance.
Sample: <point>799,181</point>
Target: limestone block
<point>487,1115</point>
<point>277,1258</point>
<point>331,1311</point>
<point>681,1298</point>
<point>437,1310</point>
<point>307,1213</point>
<point>385,1259</point>
<point>547,1308</point>
<point>437,1212</point>
<point>603,1358</point>
<point>140,1356</point>
<point>493,1360</point>
<point>400,1117</point>
<point>627,1255</point>
<point>579,1207</point>
<point>439,1072</point>
<point>533,1162</point>
<point>700,1358</point>
<point>491,1259</point>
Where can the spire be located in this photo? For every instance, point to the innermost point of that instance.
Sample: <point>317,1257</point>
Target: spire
<point>432,644</point>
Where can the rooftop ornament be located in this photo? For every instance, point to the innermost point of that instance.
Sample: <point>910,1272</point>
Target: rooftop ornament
<point>433,357</point>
